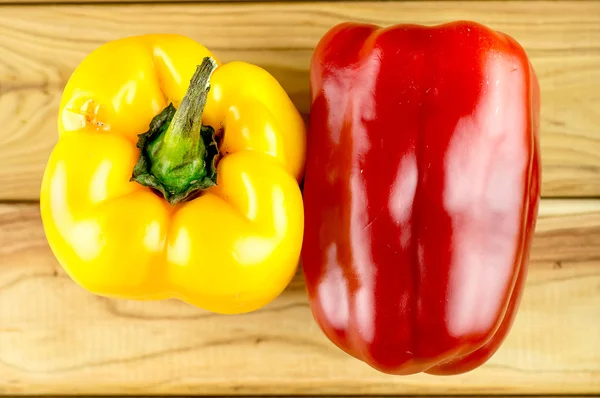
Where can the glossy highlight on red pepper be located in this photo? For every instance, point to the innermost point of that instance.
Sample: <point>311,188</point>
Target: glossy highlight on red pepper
<point>421,192</point>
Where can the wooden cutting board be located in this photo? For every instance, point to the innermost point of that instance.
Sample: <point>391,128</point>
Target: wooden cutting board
<point>56,338</point>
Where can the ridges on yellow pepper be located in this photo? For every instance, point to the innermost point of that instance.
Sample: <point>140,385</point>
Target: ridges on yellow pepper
<point>226,239</point>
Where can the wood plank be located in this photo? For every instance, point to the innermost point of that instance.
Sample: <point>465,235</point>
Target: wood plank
<point>56,338</point>
<point>41,45</point>
<point>54,2</point>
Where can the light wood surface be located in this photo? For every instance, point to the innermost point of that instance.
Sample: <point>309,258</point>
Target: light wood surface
<point>41,45</point>
<point>56,338</point>
<point>29,2</point>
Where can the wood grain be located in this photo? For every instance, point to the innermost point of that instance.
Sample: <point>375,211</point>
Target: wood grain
<point>54,2</point>
<point>41,45</point>
<point>56,338</point>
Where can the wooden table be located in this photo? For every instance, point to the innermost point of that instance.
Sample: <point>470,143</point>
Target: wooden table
<point>56,338</point>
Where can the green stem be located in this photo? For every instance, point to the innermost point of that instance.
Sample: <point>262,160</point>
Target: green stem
<point>178,153</point>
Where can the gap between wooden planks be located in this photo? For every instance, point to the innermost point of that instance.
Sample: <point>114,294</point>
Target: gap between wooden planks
<point>41,45</point>
<point>56,338</point>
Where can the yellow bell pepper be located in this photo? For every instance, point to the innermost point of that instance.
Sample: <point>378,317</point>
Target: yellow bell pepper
<point>175,176</point>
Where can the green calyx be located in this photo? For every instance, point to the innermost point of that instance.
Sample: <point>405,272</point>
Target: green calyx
<point>178,153</point>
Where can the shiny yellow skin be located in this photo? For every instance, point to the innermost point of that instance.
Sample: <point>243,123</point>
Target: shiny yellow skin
<point>231,250</point>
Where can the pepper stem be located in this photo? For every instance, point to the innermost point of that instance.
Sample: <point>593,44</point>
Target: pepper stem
<point>178,153</point>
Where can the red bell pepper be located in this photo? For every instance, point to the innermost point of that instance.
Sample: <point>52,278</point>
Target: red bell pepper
<point>421,192</point>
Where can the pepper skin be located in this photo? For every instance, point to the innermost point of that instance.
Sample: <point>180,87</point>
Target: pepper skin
<point>230,248</point>
<point>421,192</point>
